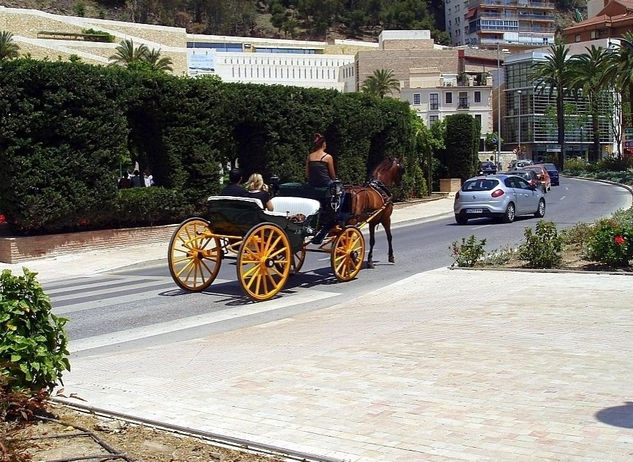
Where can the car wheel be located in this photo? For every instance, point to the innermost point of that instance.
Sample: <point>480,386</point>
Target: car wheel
<point>461,220</point>
<point>540,211</point>
<point>508,216</point>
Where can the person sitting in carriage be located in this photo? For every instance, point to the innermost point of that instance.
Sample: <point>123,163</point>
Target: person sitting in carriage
<point>256,188</point>
<point>234,188</point>
<point>320,173</point>
<point>320,165</point>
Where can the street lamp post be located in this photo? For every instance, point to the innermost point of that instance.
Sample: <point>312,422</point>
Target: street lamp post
<point>498,106</point>
<point>519,147</point>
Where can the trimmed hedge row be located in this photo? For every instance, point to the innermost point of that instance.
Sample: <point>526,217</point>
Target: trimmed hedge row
<point>68,129</point>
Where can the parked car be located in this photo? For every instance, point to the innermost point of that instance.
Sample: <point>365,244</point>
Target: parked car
<point>528,175</point>
<point>541,173</point>
<point>553,173</point>
<point>500,196</point>
<point>514,164</point>
<point>487,168</point>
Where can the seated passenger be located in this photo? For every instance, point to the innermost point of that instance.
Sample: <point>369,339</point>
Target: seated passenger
<point>234,188</point>
<point>256,188</point>
<point>319,164</point>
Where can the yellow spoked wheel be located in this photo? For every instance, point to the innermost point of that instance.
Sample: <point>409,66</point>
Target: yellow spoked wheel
<point>297,259</point>
<point>348,252</point>
<point>264,261</point>
<point>194,255</point>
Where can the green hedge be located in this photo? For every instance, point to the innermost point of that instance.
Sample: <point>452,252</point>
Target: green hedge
<point>67,130</point>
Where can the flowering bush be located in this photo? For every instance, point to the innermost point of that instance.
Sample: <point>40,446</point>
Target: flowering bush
<point>542,249</point>
<point>468,253</point>
<point>611,244</point>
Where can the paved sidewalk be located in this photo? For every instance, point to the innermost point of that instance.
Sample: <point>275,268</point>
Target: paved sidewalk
<point>426,369</point>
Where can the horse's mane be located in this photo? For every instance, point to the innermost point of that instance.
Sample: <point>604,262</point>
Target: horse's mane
<point>385,164</point>
<point>383,169</point>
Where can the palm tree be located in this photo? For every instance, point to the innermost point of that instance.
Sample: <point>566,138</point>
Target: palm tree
<point>8,48</point>
<point>127,54</point>
<point>156,63</point>
<point>553,74</point>
<point>380,83</point>
<point>587,74</point>
<point>620,71</point>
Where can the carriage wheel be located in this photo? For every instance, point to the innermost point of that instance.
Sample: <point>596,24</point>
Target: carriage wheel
<point>297,259</point>
<point>264,260</point>
<point>348,252</point>
<point>194,256</point>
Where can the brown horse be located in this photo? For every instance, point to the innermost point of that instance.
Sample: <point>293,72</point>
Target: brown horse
<point>366,200</point>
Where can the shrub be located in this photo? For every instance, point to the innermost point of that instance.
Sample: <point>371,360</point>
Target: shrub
<point>33,342</point>
<point>150,206</point>
<point>468,253</point>
<point>501,256</point>
<point>542,248</point>
<point>575,166</point>
<point>611,244</point>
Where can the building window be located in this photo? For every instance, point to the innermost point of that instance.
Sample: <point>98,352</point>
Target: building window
<point>477,97</point>
<point>417,98</point>
<point>463,100</point>
<point>434,101</point>
<point>594,34</point>
<point>449,97</point>
<point>433,119</point>
<point>577,38</point>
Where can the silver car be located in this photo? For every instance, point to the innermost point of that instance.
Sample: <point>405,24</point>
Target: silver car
<point>499,196</point>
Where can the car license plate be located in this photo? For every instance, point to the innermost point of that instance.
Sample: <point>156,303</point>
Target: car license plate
<point>475,210</point>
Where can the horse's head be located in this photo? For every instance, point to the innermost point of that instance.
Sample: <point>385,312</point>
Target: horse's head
<point>389,172</point>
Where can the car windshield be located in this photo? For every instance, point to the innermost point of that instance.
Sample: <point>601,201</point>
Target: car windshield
<point>550,166</point>
<point>480,184</point>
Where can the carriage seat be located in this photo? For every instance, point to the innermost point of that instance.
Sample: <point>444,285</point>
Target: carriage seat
<point>251,200</point>
<point>293,206</point>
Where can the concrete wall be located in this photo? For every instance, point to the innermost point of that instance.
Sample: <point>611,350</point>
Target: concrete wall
<point>18,249</point>
<point>25,25</point>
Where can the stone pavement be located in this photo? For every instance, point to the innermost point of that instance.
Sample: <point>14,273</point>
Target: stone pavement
<point>444,365</point>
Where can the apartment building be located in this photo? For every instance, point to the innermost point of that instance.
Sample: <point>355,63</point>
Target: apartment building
<point>433,96</point>
<point>485,23</point>
<point>612,20</point>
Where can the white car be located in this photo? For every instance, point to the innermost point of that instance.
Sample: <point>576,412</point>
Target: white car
<point>499,196</point>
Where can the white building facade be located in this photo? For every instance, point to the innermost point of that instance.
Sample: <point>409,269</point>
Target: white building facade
<point>266,61</point>
<point>433,97</point>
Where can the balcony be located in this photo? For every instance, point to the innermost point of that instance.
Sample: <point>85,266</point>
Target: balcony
<point>463,103</point>
<point>512,3</point>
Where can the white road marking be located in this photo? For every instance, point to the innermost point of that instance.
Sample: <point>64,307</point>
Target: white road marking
<point>113,338</point>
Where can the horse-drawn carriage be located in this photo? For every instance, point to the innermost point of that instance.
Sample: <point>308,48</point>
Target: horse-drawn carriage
<point>268,245</point>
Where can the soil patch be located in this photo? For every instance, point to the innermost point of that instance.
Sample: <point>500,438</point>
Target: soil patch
<point>49,440</point>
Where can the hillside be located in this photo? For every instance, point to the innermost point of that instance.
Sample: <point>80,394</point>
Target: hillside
<point>301,19</point>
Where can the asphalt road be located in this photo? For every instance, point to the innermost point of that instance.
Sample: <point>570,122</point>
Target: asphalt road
<point>142,306</point>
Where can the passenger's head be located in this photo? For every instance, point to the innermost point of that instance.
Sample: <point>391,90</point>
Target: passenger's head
<point>235,175</point>
<point>255,181</point>
<point>319,141</point>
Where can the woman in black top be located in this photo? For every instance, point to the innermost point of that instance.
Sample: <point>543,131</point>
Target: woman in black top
<point>319,164</point>
<point>257,189</point>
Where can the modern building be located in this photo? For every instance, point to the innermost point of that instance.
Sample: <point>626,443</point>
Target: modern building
<point>530,125</point>
<point>234,59</point>
<point>484,23</point>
